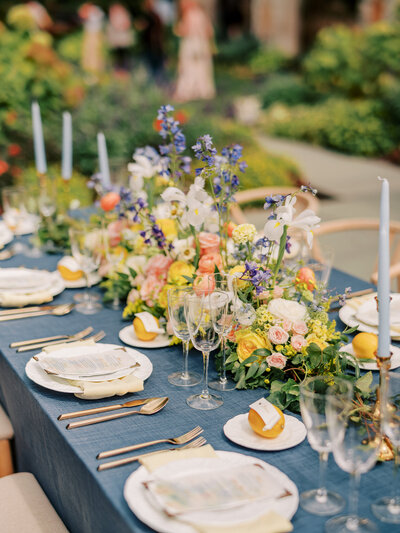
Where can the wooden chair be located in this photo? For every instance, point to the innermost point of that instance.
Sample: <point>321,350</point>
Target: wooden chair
<point>6,434</point>
<point>24,507</point>
<point>363,224</point>
<point>304,200</point>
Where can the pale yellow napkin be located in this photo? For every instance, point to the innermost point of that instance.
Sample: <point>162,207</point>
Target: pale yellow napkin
<point>95,390</point>
<point>270,522</point>
<point>8,299</point>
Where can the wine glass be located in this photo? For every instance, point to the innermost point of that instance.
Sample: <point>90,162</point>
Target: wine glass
<point>387,508</point>
<point>176,313</point>
<point>114,256</point>
<point>87,248</point>
<point>313,401</point>
<point>203,309</point>
<point>355,451</point>
<point>15,214</point>
<point>226,284</point>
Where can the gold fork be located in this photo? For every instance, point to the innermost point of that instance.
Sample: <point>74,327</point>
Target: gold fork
<point>182,439</point>
<point>112,464</point>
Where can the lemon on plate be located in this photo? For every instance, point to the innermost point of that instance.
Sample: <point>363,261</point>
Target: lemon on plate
<point>257,424</point>
<point>365,345</point>
<point>141,331</point>
<point>69,268</point>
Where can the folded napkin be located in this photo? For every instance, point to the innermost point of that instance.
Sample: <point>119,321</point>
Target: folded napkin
<point>152,462</point>
<point>8,299</point>
<point>270,522</point>
<point>95,390</point>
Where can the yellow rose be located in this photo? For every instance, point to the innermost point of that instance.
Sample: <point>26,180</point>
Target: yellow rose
<point>248,341</point>
<point>138,245</point>
<point>239,268</point>
<point>316,340</point>
<point>168,227</point>
<point>163,296</point>
<point>177,270</point>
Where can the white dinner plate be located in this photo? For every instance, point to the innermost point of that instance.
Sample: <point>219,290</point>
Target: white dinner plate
<point>238,430</point>
<point>38,375</point>
<point>394,362</point>
<point>128,336</point>
<point>137,498</point>
<point>24,280</point>
<point>94,278</point>
<point>347,315</point>
<point>6,235</point>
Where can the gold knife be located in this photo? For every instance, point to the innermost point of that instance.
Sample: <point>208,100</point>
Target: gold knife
<point>95,410</point>
<point>31,309</point>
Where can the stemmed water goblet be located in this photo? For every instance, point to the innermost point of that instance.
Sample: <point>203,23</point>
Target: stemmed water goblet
<point>355,450</point>
<point>203,309</point>
<point>387,508</point>
<point>87,248</point>
<point>313,402</point>
<point>15,214</point>
<point>226,284</point>
<point>176,314</point>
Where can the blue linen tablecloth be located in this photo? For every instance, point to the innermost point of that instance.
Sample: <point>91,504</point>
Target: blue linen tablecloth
<point>64,462</point>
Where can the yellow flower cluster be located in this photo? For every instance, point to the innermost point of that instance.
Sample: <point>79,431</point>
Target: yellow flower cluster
<point>264,319</point>
<point>321,333</point>
<point>244,233</point>
<point>132,308</point>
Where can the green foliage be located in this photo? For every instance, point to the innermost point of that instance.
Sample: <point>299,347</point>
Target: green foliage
<point>237,50</point>
<point>287,89</point>
<point>357,127</point>
<point>268,60</point>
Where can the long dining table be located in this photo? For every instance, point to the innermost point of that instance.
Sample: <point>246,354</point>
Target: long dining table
<point>64,461</point>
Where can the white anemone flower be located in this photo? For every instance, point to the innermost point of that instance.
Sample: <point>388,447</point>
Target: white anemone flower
<point>307,221</point>
<point>143,167</point>
<point>173,194</point>
<point>136,183</point>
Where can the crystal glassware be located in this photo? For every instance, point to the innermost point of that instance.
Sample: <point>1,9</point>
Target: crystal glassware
<point>15,214</point>
<point>228,285</point>
<point>176,314</point>
<point>313,401</point>
<point>203,308</point>
<point>355,450</point>
<point>87,248</point>
<point>387,508</point>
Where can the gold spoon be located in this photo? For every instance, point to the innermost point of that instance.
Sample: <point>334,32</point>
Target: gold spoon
<point>148,409</point>
<point>59,310</point>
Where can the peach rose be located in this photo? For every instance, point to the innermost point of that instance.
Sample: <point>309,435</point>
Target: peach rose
<point>298,342</point>
<point>133,295</point>
<point>286,325</point>
<point>276,360</point>
<point>114,230</point>
<point>208,263</point>
<point>158,265</point>
<point>209,243</point>
<point>300,327</point>
<point>278,335</point>
<point>203,285</point>
<point>151,287</point>
<point>277,292</point>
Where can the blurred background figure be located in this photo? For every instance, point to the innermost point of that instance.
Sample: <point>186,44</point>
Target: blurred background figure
<point>120,36</point>
<point>40,16</point>
<point>93,40</point>
<point>195,68</point>
<point>153,40</point>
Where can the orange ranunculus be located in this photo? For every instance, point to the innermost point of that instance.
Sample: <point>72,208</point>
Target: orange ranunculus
<point>209,243</point>
<point>4,166</point>
<point>14,150</point>
<point>208,263</point>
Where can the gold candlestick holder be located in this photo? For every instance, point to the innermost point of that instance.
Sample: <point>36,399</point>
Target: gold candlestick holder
<point>385,449</point>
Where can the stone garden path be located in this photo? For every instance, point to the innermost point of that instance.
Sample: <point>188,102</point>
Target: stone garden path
<point>350,189</point>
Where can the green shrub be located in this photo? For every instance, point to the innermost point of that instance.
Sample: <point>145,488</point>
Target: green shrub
<point>356,127</point>
<point>267,60</point>
<point>287,89</point>
<point>237,50</point>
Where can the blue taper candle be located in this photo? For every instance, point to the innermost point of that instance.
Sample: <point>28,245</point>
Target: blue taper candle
<point>383,273</point>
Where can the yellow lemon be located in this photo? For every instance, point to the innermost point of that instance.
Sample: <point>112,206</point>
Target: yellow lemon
<point>257,424</point>
<point>365,345</point>
<point>141,332</point>
<point>69,269</point>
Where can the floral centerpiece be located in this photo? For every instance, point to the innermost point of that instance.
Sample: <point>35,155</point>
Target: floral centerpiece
<point>171,236</point>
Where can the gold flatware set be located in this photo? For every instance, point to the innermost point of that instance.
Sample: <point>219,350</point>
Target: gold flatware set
<point>29,312</point>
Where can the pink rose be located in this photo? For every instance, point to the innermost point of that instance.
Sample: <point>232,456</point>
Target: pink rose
<point>298,342</point>
<point>204,285</point>
<point>114,230</point>
<point>278,335</point>
<point>133,295</point>
<point>276,360</point>
<point>158,265</point>
<point>208,263</point>
<point>151,288</point>
<point>169,328</point>
<point>286,324</point>
<point>209,243</point>
<point>277,292</point>
<point>264,295</point>
<point>300,327</point>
